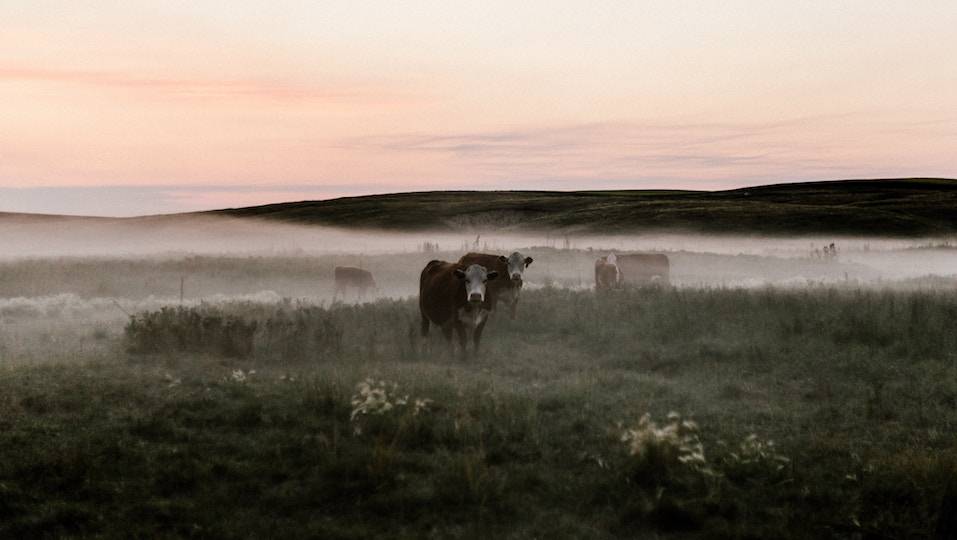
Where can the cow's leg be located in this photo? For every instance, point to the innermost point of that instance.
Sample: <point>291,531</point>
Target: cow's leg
<point>424,344</point>
<point>477,335</point>
<point>447,334</point>
<point>514,308</point>
<point>425,325</point>
<point>461,332</point>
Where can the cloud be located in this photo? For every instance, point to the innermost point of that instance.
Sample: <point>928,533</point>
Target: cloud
<point>210,89</point>
<point>689,154</point>
<point>588,156</point>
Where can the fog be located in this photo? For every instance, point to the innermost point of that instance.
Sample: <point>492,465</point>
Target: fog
<point>105,269</point>
<point>697,258</point>
<point>24,236</point>
<point>76,281</point>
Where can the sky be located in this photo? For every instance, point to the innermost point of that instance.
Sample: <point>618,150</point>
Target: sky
<point>137,107</point>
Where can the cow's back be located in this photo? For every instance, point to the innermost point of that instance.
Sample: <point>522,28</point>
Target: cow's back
<point>644,267</point>
<point>351,276</point>
<point>441,292</point>
<point>489,261</point>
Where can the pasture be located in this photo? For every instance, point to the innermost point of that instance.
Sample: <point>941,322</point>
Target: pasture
<point>249,413</point>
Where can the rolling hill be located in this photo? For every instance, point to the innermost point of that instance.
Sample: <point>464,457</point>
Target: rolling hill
<point>893,207</point>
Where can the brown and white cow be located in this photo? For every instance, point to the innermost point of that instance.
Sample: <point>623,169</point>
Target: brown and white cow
<point>348,277</point>
<point>607,273</point>
<point>453,297</point>
<point>505,290</point>
<point>644,268</point>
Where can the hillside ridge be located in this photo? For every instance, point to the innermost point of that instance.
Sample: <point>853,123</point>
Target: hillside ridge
<point>891,207</point>
<point>899,207</point>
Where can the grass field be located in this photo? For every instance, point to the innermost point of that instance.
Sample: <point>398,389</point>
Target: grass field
<point>187,376</point>
<point>168,429</point>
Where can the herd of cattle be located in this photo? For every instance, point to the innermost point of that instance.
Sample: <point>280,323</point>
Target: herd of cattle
<point>459,297</point>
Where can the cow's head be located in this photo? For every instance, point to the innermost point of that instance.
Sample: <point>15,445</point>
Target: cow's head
<point>475,277</point>
<point>516,264</point>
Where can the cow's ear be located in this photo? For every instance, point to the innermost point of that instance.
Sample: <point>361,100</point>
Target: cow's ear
<point>459,273</point>
<point>503,258</point>
<point>492,275</point>
<point>528,261</point>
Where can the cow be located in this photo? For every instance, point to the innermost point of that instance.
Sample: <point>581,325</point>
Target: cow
<point>512,267</point>
<point>607,273</point>
<point>453,297</point>
<point>644,268</point>
<point>347,277</point>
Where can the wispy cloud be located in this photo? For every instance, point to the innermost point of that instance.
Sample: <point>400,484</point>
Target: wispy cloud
<point>692,153</point>
<point>211,89</point>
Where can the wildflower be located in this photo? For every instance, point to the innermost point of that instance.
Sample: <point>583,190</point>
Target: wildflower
<point>374,397</point>
<point>677,440</point>
<point>756,452</point>
<point>421,405</point>
<point>238,376</point>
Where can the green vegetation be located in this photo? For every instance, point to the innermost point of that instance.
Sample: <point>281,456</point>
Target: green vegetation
<point>894,207</point>
<point>544,435</point>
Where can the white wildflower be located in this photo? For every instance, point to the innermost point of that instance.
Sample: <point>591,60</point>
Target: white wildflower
<point>421,405</point>
<point>754,451</point>
<point>372,397</point>
<point>378,397</point>
<point>678,438</point>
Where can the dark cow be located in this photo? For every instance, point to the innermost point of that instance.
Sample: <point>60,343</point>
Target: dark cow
<point>453,297</point>
<point>607,273</point>
<point>512,267</point>
<point>347,277</point>
<point>644,268</point>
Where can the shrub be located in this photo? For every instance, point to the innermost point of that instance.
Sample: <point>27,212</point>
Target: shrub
<point>278,331</point>
<point>195,330</point>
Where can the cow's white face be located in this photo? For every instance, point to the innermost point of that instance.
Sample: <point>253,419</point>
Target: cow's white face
<point>475,277</point>
<point>516,266</point>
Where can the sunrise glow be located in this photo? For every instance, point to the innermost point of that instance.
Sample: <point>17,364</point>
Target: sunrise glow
<point>124,108</point>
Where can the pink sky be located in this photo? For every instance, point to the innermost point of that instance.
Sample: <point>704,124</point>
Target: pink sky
<point>122,108</point>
